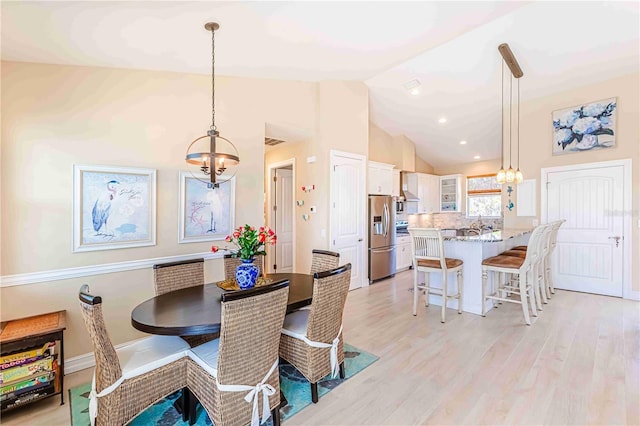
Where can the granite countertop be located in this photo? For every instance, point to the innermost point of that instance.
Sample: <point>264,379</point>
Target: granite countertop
<point>491,237</point>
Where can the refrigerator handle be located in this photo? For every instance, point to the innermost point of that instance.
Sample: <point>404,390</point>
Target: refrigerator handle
<point>385,212</point>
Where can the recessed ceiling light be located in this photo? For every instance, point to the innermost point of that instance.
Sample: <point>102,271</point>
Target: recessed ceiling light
<point>463,142</point>
<point>415,91</point>
<point>477,157</point>
<point>442,120</point>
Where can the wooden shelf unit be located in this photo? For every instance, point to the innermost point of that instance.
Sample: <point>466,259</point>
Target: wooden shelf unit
<point>31,333</point>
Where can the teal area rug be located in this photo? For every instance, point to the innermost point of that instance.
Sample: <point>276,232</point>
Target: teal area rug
<point>294,386</point>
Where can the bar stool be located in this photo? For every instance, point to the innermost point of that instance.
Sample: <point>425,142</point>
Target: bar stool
<point>555,227</point>
<point>538,281</point>
<point>427,249</point>
<point>516,265</point>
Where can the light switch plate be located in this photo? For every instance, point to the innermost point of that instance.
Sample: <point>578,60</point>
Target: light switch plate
<point>535,222</point>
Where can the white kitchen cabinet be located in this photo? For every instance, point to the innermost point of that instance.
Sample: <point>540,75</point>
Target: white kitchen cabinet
<point>380,178</point>
<point>425,187</point>
<point>403,253</point>
<point>395,189</point>
<point>451,193</point>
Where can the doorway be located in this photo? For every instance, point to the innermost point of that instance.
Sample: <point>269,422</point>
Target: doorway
<point>594,244</point>
<point>281,205</point>
<point>348,211</point>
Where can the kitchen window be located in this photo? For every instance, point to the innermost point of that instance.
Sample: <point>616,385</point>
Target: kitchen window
<point>484,196</point>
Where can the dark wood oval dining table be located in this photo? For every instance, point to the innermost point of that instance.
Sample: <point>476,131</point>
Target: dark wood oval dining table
<point>196,310</point>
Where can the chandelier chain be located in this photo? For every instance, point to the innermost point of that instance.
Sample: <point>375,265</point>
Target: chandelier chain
<point>213,79</point>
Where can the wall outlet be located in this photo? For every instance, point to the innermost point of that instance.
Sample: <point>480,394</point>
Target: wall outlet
<point>323,233</point>
<point>535,222</point>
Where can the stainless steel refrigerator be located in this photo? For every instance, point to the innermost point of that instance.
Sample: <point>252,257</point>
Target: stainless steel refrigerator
<point>382,237</point>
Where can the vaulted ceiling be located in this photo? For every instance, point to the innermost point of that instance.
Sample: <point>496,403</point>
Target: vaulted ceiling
<point>450,47</point>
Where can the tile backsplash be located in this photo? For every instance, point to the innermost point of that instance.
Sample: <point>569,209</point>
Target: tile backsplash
<point>450,221</point>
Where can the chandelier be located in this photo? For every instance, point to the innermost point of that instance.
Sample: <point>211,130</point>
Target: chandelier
<point>218,159</point>
<point>510,175</point>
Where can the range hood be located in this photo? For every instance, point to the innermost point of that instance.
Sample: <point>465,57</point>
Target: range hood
<point>409,196</point>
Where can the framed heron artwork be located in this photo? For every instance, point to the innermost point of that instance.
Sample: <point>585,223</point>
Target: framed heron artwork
<point>206,213</point>
<point>113,208</point>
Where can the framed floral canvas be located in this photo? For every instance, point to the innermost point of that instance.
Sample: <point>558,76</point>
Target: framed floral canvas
<point>206,213</point>
<point>113,208</point>
<point>584,127</point>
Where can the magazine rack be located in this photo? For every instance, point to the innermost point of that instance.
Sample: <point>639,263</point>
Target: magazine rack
<point>28,347</point>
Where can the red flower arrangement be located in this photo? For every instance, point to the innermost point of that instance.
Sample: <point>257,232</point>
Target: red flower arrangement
<point>250,242</point>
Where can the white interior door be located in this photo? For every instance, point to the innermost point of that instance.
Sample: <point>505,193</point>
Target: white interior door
<point>348,195</point>
<point>284,218</point>
<point>589,252</point>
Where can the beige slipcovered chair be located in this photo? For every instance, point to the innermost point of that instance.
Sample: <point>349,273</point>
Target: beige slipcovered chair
<point>312,339</point>
<point>523,268</point>
<point>234,375</point>
<point>427,250</point>
<point>231,263</point>
<point>128,380</point>
<point>324,260</point>
<point>176,276</point>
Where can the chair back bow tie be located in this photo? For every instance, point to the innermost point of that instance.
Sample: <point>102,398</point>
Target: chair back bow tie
<point>333,354</point>
<point>93,396</point>
<point>254,394</point>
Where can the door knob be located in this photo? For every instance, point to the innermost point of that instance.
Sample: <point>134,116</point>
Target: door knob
<point>359,240</point>
<point>617,238</point>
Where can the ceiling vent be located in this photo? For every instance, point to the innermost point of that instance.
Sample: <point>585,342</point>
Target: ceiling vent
<point>272,141</point>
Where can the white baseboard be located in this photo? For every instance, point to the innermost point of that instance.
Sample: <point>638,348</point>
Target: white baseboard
<point>88,360</point>
<point>632,295</point>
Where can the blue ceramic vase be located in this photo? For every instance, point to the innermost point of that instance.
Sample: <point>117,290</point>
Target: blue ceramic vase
<point>246,274</point>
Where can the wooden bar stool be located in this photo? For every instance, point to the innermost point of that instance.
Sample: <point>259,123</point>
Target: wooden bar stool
<point>516,265</point>
<point>427,249</point>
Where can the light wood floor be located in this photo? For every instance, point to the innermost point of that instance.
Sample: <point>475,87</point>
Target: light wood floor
<point>578,363</point>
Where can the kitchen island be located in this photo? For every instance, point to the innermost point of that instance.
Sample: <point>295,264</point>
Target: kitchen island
<point>472,250</point>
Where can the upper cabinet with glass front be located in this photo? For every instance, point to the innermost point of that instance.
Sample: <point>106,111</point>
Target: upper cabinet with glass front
<point>451,193</point>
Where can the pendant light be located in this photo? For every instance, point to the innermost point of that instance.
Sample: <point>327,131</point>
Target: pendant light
<point>519,178</point>
<point>512,175</point>
<point>219,159</point>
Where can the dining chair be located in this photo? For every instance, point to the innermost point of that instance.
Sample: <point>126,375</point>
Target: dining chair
<point>312,339</point>
<point>176,276</point>
<point>427,250</point>
<point>129,379</point>
<point>231,263</point>
<point>324,260</point>
<point>517,266</point>
<point>233,375</point>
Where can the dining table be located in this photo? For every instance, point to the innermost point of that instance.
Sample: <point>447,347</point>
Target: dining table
<point>197,310</point>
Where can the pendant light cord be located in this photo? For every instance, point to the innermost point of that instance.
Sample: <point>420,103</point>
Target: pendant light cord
<point>502,118</point>
<point>510,119</point>
<point>213,79</point>
<point>518,123</point>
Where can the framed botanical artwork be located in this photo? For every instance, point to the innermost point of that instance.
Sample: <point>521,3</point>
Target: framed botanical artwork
<point>113,208</point>
<point>206,213</point>
<point>585,127</point>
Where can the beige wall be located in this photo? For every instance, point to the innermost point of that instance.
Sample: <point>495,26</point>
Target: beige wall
<point>56,116</point>
<point>424,167</point>
<point>297,151</point>
<point>536,142</point>
<point>397,150</point>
